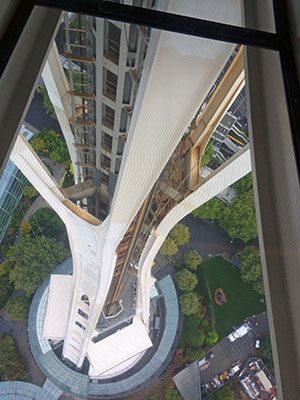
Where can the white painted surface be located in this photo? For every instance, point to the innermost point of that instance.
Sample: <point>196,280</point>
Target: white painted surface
<point>117,348</point>
<point>58,307</point>
<point>231,172</point>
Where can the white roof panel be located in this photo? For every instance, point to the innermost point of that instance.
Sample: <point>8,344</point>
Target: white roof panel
<point>58,306</point>
<point>117,348</point>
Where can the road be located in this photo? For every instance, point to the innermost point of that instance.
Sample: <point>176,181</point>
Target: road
<point>209,239</point>
<point>37,116</point>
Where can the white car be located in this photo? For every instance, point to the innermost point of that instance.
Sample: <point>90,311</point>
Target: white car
<point>239,332</point>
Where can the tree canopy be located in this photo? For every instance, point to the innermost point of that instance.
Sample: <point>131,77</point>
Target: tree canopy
<point>169,247</point>
<point>225,393</point>
<point>31,260</point>
<point>244,184</point>
<point>25,228</point>
<point>192,338</point>
<point>265,351</point>
<point>189,303</point>
<point>30,191</point>
<point>195,353</point>
<point>180,234</point>
<point>172,394</point>
<point>211,338</point>
<point>18,307</point>
<point>192,259</point>
<point>251,271</point>
<point>48,222</point>
<point>6,287</point>
<point>186,280</point>
<point>208,153</point>
<point>239,219</point>
<point>191,321</point>
<point>47,102</point>
<point>11,363</point>
<point>49,143</point>
<point>212,209</point>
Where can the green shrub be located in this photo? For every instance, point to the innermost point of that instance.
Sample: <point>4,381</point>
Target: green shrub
<point>186,280</point>
<point>211,338</point>
<point>168,248</point>
<point>189,303</point>
<point>18,307</point>
<point>191,322</point>
<point>180,234</point>
<point>195,353</point>
<point>192,259</point>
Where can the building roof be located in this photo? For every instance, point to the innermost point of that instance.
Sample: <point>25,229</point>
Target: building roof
<point>58,306</point>
<point>117,348</point>
<point>264,380</point>
<point>188,382</point>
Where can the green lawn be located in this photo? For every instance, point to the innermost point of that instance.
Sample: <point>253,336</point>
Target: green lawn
<point>242,300</point>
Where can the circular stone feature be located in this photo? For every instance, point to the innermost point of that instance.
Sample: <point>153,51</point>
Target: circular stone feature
<point>220,297</point>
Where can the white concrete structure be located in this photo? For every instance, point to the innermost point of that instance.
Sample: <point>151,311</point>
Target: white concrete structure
<point>58,91</point>
<point>178,73</point>
<point>224,176</point>
<point>118,348</point>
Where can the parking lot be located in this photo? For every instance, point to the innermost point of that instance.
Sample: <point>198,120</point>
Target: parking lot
<point>227,352</point>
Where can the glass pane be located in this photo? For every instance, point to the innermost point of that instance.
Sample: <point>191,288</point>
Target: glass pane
<point>144,139</point>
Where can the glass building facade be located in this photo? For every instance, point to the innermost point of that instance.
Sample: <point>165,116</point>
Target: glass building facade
<point>12,184</point>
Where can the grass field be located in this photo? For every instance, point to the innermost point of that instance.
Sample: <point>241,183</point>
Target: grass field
<point>242,300</point>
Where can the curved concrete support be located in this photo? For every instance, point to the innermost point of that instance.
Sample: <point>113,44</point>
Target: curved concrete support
<point>231,171</point>
<point>58,90</point>
<point>87,239</point>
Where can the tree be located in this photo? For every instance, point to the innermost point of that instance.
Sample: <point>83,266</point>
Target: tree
<point>193,338</point>
<point>47,102</point>
<point>265,351</point>
<point>31,260</point>
<point>191,322</point>
<point>25,228</point>
<point>168,248</point>
<point>251,271</point>
<point>195,353</point>
<point>244,184</point>
<point>189,303</point>
<point>225,393</point>
<point>208,153</point>
<point>47,222</point>
<point>6,288</point>
<point>192,259</point>
<point>11,363</point>
<point>239,219</point>
<point>38,145</point>
<point>30,191</point>
<point>180,234</point>
<point>18,307</point>
<point>50,143</point>
<point>211,338</point>
<point>212,209</point>
<point>54,155</point>
<point>186,280</point>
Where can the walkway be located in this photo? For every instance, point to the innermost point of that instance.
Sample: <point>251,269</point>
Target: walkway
<point>27,391</point>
